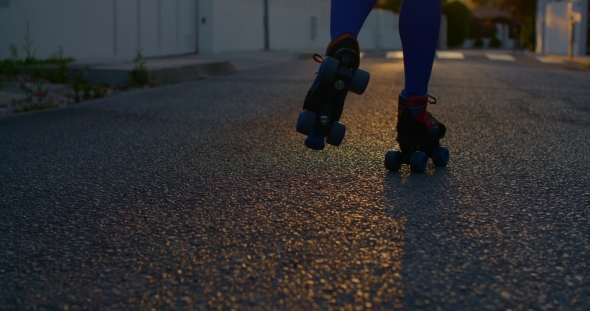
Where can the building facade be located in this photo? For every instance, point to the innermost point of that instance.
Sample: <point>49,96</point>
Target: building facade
<point>563,27</point>
<point>115,30</point>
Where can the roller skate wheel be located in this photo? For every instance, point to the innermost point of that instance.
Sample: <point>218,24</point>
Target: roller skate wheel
<point>336,134</point>
<point>393,160</point>
<point>315,140</point>
<point>418,162</point>
<point>440,156</point>
<point>305,122</point>
<point>360,81</point>
<point>328,69</point>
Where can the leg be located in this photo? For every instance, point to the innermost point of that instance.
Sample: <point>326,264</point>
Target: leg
<point>347,18</point>
<point>419,26</point>
<point>418,132</point>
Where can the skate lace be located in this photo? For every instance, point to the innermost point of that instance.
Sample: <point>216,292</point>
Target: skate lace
<point>433,100</point>
<point>318,59</point>
<point>432,119</point>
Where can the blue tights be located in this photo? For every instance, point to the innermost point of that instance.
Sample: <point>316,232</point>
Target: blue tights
<point>419,25</point>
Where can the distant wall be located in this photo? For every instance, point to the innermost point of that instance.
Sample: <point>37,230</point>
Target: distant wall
<point>557,28</point>
<point>299,25</point>
<point>293,25</point>
<point>554,27</point>
<point>115,30</point>
<point>230,25</point>
<point>380,32</point>
<point>97,31</point>
<point>238,25</point>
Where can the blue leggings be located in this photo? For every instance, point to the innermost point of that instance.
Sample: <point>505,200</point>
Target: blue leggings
<point>419,25</point>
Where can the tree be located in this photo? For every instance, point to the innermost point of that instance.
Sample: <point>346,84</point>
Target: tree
<point>524,12</point>
<point>459,18</point>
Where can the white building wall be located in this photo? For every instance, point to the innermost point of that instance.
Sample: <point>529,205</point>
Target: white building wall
<point>554,27</point>
<point>301,24</point>
<point>238,25</point>
<point>77,27</point>
<point>540,26</point>
<point>115,30</point>
<point>205,26</point>
<point>232,25</point>
<point>557,28</point>
<point>99,31</point>
<point>380,32</point>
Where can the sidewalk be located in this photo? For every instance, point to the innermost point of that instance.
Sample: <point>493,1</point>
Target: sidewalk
<point>564,59</point>
<point>173,69</point>
<point>191,67</point>
<point>583,60</point>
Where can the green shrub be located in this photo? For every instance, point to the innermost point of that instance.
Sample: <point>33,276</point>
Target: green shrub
<point>495,43</point>
<point>478,43</point>
<point>490,31</point>
<point>139,76</point>
<point>459,18</point>
<point>475,28</point>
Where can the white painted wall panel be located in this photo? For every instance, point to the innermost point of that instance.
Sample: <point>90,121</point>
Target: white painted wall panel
<point>557,28</point>
<point>100,31</point>
<point>205,26</point>
<point>540,26</point>
<point>170,20</point>
<point>368,36</point>
<point>114,30</point>
<point>238,25</point>
<point>295,25</point>
<point>380,32</point>
<point>553,27</point>
<point>126,30</point>
<point>149,27</point>
<point>187,26</point>
<point>389,38</point>
<point>76,25</point>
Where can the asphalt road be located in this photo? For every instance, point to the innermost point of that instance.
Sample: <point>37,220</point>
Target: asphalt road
<point>202,196</point>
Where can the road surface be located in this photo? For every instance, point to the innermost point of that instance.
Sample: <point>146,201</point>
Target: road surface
<point>202,196</point>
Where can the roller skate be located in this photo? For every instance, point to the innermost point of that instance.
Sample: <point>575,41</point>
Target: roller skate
<point>418,135</point>
<point>322,108</point>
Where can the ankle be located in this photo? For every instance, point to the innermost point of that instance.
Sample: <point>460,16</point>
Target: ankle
<point>416,104</point>
<point>345,48</point>
<point>344,40</point>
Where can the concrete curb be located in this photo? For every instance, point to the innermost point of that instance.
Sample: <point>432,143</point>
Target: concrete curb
<point>304,55</point>
<point>162,71</point>
<point>583,61</point>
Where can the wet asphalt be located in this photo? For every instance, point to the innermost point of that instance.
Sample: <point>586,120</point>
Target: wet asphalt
<point>202,196</point>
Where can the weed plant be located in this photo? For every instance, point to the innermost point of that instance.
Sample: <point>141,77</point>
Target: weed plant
<point>31,74</point>
<point>139,76</point>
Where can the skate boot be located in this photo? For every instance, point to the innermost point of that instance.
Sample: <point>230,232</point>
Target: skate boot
<point>418,135</point>
<point>322,108</point>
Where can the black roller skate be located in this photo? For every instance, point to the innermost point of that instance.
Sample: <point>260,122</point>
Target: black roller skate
<point>324,102</point>
<point>418,135</point>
